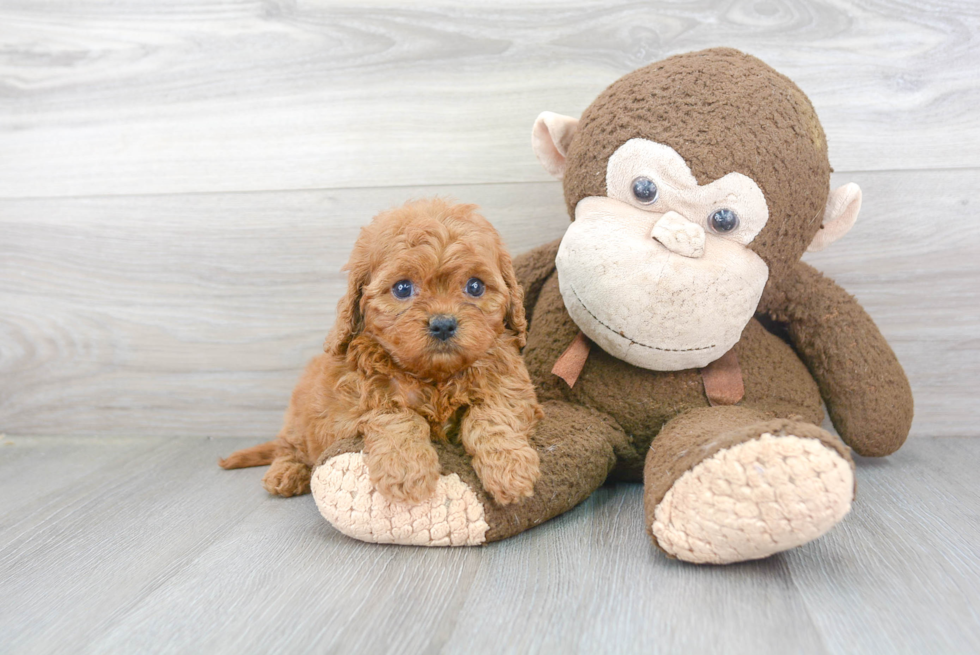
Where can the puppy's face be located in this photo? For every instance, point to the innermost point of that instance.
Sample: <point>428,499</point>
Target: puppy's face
<point>435,295</point>
<point>436,310</point>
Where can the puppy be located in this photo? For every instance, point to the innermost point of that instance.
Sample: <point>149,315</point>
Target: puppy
<point>426,346</point>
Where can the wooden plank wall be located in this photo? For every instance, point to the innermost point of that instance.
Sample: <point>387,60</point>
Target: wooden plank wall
<point>180,180</point>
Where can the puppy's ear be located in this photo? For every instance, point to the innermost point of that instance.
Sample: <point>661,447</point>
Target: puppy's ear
<point>350,318</point>
<point>514,318</point>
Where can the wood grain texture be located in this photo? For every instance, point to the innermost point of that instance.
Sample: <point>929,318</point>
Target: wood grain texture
<point>38,472</point>
<point>188,314</point>
<point>919,278</point>
<point>913,528</point>
<point>217,95</point>
<point>162,552</point>
<point>194,314</point>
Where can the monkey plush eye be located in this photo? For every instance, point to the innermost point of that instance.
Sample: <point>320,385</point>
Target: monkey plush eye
<point>644,190</point>
<point>475,287</point>
<point>402,289</point>
<point>723,220</point>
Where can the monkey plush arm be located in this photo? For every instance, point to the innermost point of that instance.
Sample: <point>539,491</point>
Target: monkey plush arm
<point>860,379</point>
<point>532,270</point>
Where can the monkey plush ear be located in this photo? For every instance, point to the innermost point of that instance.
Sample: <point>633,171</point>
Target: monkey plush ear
<point>550,137</point>
<point>842,210</point>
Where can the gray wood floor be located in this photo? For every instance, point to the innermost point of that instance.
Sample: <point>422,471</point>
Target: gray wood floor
<point>145,546</point>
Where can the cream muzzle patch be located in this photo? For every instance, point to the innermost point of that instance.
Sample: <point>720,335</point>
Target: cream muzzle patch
<point>650,279</point>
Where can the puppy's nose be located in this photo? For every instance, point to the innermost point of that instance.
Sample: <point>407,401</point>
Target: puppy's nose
<point>442,327</point>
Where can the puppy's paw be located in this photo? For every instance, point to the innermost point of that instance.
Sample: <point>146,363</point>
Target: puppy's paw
<point>287,477</point>
<point>509,475</point>
<point>407,477</point>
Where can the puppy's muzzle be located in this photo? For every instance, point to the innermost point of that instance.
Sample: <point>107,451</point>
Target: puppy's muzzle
<point>443,327</point>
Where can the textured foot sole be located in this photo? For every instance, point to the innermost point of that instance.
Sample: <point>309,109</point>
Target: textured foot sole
<point>345,496</point>
<point>753,500</point>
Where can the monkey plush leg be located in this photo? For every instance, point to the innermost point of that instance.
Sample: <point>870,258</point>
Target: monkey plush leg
<point>576,447</point>
<point>723,486</point>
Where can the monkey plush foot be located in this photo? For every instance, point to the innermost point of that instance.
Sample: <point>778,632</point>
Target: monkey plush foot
<point>344,494</point>
<point>575,447</point>
<point>754,499</point>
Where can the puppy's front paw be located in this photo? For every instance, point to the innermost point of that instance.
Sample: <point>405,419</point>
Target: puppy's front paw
<point>287,478</point>
<point>509,475</point>
<point>408,477</point>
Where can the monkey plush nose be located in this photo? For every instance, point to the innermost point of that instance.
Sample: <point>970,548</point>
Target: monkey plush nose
<point>442,327</point>
<point>679,235</point>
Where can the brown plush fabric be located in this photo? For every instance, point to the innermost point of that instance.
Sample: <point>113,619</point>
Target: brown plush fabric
<point>578,450</point>
<point>724,111</point>
<point>866,391</point>
<point>642,401</point>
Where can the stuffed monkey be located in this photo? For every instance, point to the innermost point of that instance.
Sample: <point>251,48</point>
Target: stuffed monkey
<point>675,337</point>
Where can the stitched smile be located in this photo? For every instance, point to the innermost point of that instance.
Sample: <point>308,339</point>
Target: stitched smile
<point>643,345</point>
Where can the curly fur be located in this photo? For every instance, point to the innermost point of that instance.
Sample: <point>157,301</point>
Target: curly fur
<point>383,377</point>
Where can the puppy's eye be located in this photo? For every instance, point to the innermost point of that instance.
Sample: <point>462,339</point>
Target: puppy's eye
<point>475,287</point>
<point>723,220</point>
<point>645,190</point>
<point>402,289</point>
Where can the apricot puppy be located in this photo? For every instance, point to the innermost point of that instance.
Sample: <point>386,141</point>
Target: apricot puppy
<point>426,346</point>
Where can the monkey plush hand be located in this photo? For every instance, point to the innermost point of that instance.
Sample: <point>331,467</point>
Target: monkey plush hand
<point>675,337</point>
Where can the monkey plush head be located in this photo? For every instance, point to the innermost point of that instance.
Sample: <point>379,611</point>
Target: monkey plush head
<point>691,183</point>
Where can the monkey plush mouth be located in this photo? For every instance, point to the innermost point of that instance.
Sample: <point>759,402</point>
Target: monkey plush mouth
<point>631,340</point>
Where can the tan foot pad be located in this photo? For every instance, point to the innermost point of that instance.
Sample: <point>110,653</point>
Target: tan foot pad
<point>754,499</point>
<point>454,516</point>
